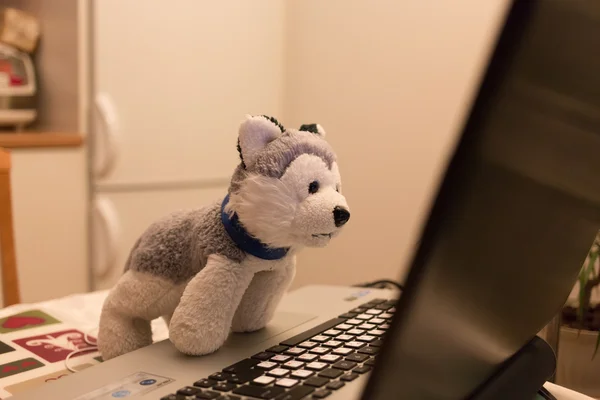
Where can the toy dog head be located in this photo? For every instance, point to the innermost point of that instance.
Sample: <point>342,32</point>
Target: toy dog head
<point>287,190</point>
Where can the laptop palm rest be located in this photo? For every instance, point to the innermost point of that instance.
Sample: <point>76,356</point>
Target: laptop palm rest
<point>282,321</point>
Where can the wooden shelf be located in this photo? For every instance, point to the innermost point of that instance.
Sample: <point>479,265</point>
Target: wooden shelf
<point>39,139</point>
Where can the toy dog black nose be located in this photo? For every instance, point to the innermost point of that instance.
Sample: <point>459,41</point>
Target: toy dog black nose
<point>340,216</point>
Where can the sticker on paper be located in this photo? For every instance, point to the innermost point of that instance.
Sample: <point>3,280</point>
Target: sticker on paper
<point>56,346</point>
<point>16,367</point>
<point>26,320</point>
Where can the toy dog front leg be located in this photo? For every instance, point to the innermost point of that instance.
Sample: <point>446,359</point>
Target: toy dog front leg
<point>262,297</point>
<point>202,320</point>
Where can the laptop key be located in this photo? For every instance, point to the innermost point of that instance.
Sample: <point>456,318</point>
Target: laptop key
<point>302,373</point>
<point>348,315</point>
<point>304,336</point>
<point>242,365</point>
<point>354,321</point>
<point>297,393</point>
<point>344,338</point>
<point>244,376</point>
<point>332,332</point>
<point>357,357</point>
<point>377,332</point>
<point>343,327</point>
<point>362,370</point>
<point>335,385</point>
<point>267,365</point>
<point>359,310</point>
<point>383,307</point>
<point>263,380</point>
<point>344,365</point>
<point>343,351</point>
<point>373,311</point>
<point>349,377</point>
<point>293,364</point>
<point>259,392</point>
<point>331,373</point>
<point>355,344</point>
<point>356,331</point>
<point>373,302</point>
<point>366,338</point>
<point>330,358</point>
<point>316,365</point>
<point>224,386</point>
<point>386,315</point>
<point>321,394</point>
<point>295,351</point>
<point>278,372</point>
<point>369,350</point>
<point>333,343</point>
<point>280,358</point>
<point>277,349</point>
<point>286,382</point>
<point>207,395</point>
<point>316,381</point>
<point>320,350</point>
<point>263,356</point>
<point>320,338</point>
<point>205,383</point>
<point>370,363</point>
<point>308,344</point>
<point>307,357</point>
<point>377,320</point>
<point>364,317</point>
<point>367,326</point>
<point>188,391</point>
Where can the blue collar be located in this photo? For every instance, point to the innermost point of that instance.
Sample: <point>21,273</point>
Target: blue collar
<point>244,241</point>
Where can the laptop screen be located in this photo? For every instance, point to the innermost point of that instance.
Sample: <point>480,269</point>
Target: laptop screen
<point>515,215</point>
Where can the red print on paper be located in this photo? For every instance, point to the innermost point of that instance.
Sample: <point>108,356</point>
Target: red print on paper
<point>56,346</point>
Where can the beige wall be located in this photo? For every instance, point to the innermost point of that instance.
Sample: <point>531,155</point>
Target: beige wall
<point>49,208</point>
<point>389,81</point>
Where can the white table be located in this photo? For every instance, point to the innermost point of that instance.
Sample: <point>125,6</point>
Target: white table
<point>83,311</point>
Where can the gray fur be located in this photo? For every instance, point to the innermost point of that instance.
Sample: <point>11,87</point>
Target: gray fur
<point>177,247</point>
<point>278,154</point>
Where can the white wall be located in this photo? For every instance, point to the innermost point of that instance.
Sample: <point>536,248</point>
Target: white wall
<point>390,82</point>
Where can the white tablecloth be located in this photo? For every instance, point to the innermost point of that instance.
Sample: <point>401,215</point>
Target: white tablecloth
<point>82,313</point>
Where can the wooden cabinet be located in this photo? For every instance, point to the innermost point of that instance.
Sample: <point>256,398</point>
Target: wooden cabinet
<point>49,170</point>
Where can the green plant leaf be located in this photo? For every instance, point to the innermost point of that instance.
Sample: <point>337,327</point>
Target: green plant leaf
<point>582,283</point>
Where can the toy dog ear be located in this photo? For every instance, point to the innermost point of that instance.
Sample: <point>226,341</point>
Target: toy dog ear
<point>313,128</point>
<point>254,134</point>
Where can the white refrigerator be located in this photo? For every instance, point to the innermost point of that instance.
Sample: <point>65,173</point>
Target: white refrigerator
<point>169,85</point>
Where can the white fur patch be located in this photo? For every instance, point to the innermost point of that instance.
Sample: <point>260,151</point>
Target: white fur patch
<point>282,212</point>
<point>266,208</point>
<point>304,170</point>
<point>254,134</point>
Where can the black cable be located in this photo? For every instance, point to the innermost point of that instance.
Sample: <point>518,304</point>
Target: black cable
<point>381,284</point>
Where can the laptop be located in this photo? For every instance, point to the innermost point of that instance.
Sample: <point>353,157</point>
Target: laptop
<point>502,245</point>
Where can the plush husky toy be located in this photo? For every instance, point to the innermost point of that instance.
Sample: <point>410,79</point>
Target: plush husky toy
<point>226,266</point>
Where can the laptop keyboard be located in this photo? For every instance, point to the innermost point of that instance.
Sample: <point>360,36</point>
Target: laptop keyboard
<point>313,363</point>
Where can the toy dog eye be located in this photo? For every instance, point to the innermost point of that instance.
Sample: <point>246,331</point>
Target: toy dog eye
<point>313,187</point>
<point>337,188</point>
